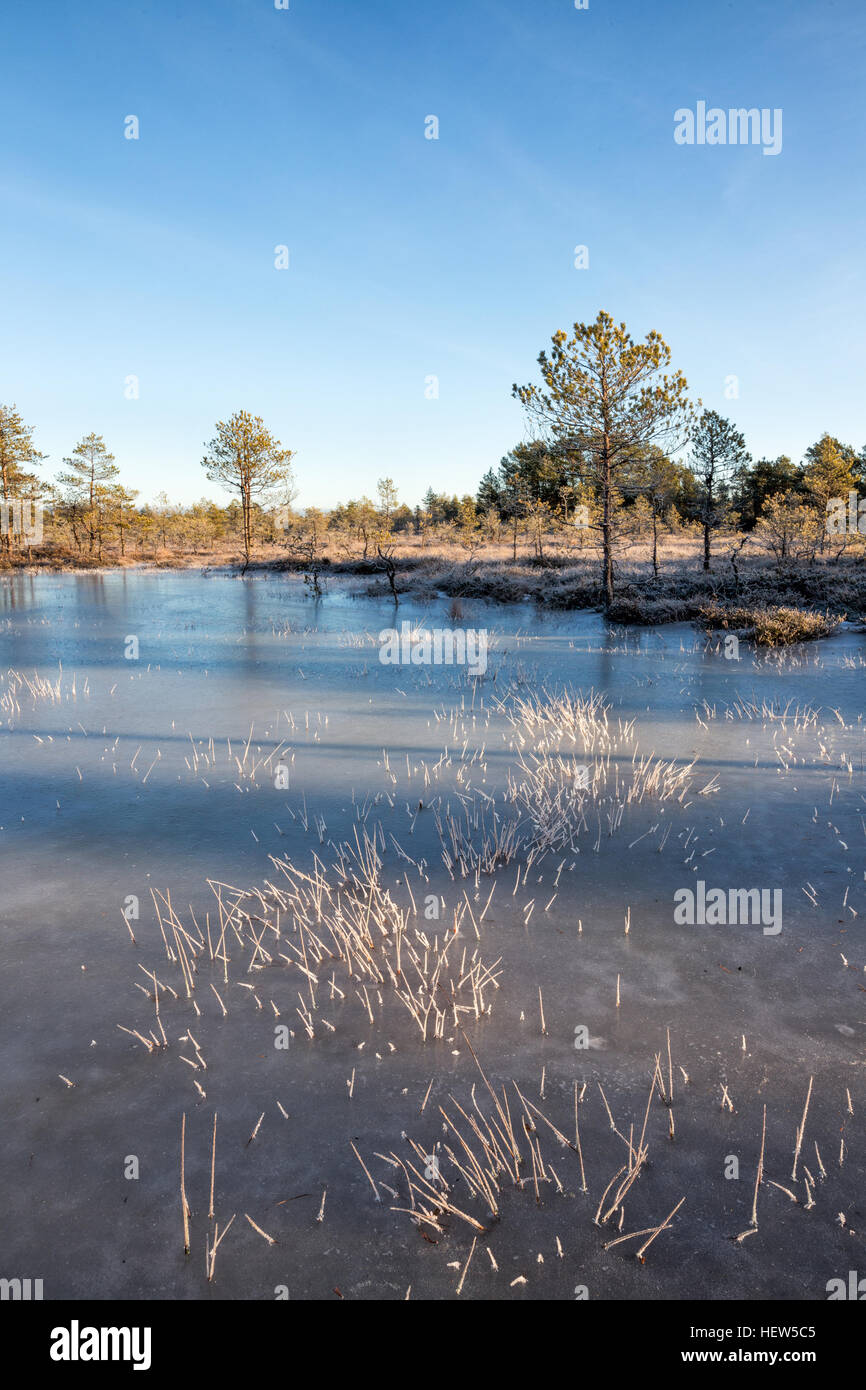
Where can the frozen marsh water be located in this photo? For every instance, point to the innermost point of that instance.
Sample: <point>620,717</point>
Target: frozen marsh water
<point>126,778</point>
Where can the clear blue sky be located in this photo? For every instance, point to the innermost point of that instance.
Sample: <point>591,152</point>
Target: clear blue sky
<point>413,257</point>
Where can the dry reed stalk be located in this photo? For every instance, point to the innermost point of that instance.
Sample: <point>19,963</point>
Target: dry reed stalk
<point>133,1032</point>
<point>528,1105</point>
<point>583,1186</point>
<point>210,1214</point>
<point>787,1191</point>
<point>184,964</point>
<point>648,1104</point>
<point>466,1266</point>
<point>670,1070</point>
<point>218,1239</point>
<point>801,1130</point>
<point>441,1201</point>
<point>630,1235</point>
<point>504,1117</point>
<point>364,1166</point>
<point>624,1187</point>
<point>760,1173</point>
<point>487,904</point>
<point>480,1182</point>
<point>534,1170</point>
<point>220,1002</point>
<point>610,1118</point>
<point>639,1254</point>
<point>263,1234</point>
<point>183,1201</point>
<point>606,1190</point>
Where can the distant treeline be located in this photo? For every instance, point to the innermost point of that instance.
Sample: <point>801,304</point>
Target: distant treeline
<point>617,449</point>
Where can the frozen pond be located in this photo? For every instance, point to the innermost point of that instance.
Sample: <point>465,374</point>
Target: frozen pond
<point>160,730</point>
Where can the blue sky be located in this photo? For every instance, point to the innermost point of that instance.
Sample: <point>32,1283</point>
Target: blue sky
<point>409,257</point>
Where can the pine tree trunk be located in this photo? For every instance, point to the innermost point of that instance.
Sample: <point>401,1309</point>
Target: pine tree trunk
<point>6,536</point>
<point>607,548</point>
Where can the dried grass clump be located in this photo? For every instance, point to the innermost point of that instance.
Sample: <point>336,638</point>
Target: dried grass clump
<point>485,1150</point>
<point>549,717</point>
<point>326,926</point>
<point>17,687</point>
<point>577,771</point>
<point>477,840</point>
<point>560,805</point>
<point>772,626</point>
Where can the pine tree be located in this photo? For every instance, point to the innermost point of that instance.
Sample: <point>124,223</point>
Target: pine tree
<point>830,472</point>
<point>605,399</point>
<point>246,457</point>
<point>718,453</point>
<point>87,482</point>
